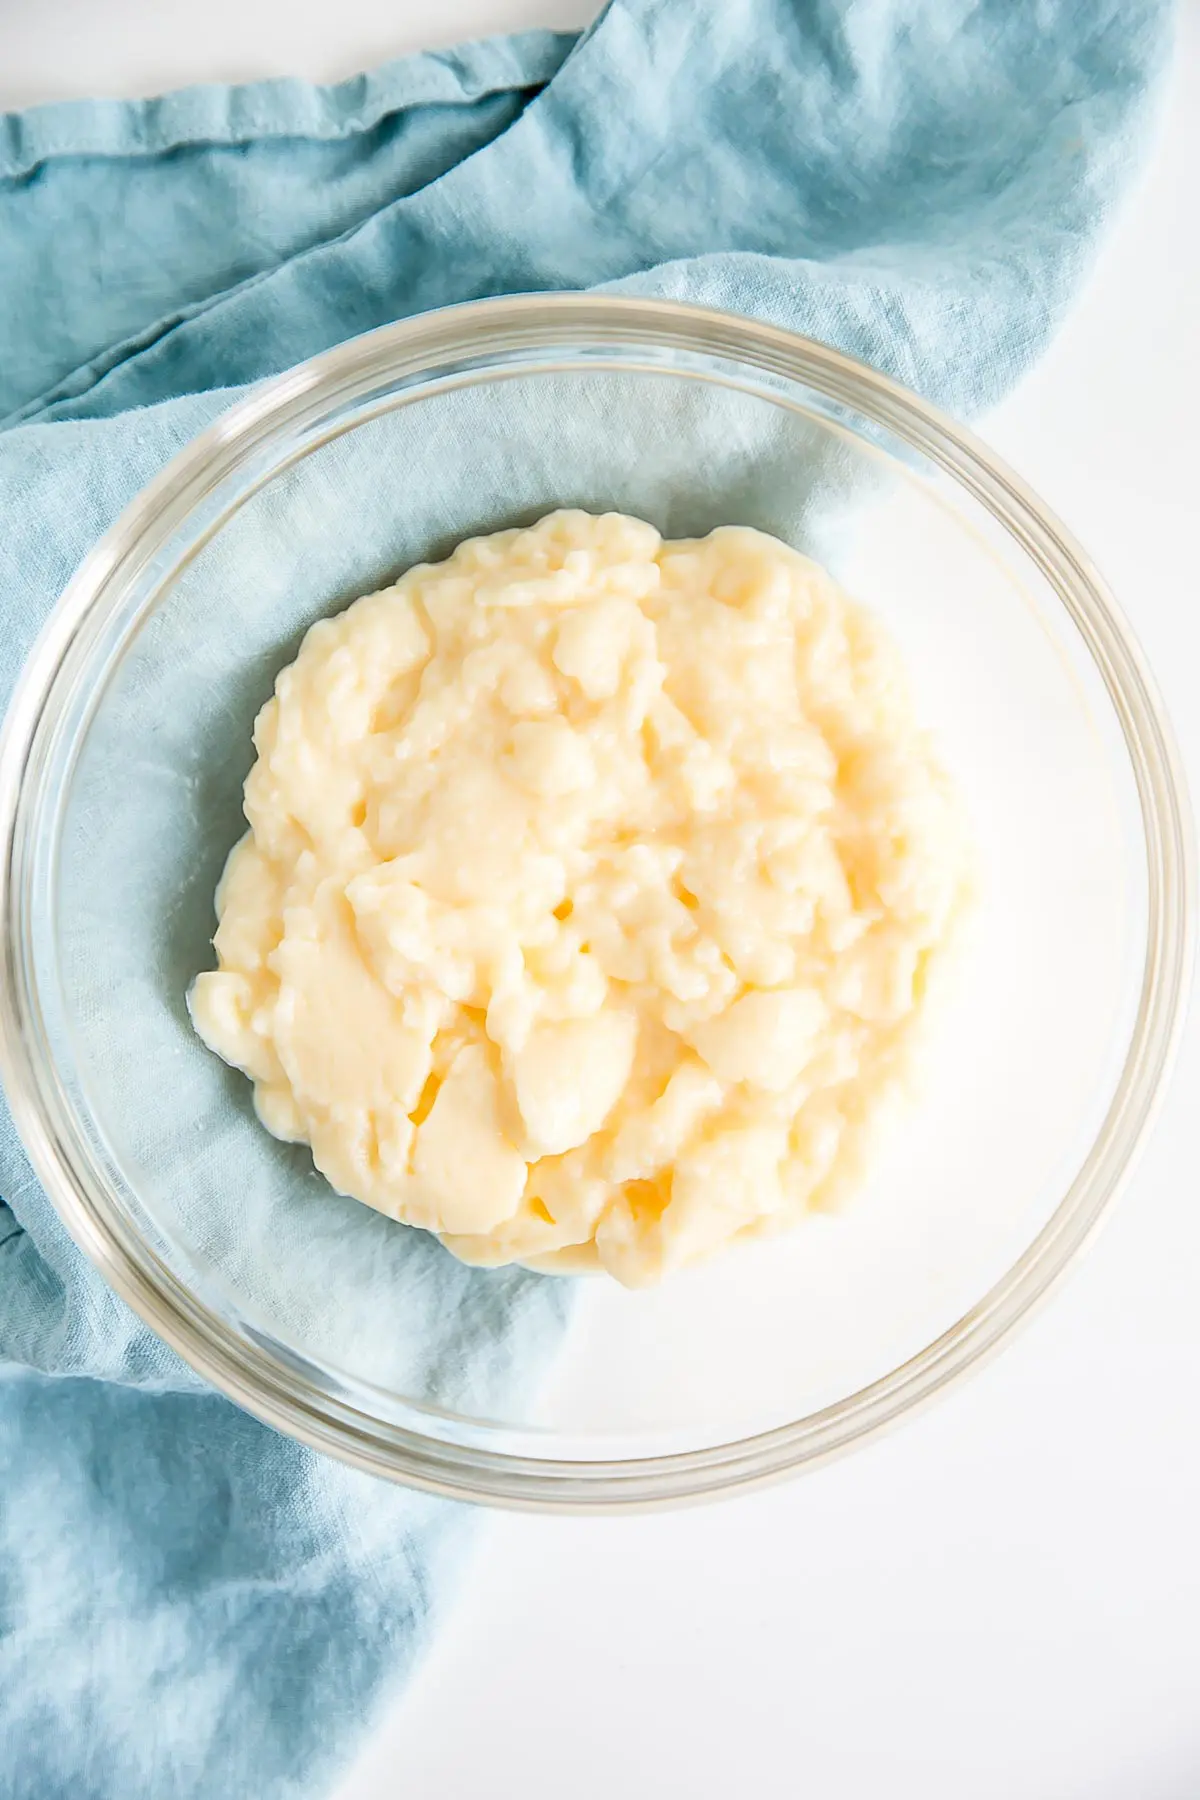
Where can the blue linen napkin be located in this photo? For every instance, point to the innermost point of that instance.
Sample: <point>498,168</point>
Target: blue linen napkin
<point>190,1604</point>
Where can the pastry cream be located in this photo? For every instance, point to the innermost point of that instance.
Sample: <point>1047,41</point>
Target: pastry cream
<point>588,896</point>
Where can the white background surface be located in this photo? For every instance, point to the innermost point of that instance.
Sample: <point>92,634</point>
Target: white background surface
<point>1000,1601</point>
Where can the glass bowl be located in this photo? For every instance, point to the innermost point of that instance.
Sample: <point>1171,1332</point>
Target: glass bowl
<point>120,779</point>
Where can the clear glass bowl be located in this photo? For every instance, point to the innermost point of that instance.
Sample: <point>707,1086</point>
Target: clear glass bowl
<point>120,781</point>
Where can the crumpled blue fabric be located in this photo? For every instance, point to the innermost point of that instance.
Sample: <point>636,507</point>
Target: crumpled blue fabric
<point>189,1604</point>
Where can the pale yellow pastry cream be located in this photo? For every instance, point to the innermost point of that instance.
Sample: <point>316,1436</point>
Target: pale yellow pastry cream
<point>589,894</point>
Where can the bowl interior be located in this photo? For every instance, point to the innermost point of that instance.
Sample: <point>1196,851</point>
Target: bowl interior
<point>1031,1031</point>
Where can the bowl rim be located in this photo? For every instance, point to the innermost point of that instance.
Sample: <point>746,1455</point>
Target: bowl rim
<point>282,1395</point>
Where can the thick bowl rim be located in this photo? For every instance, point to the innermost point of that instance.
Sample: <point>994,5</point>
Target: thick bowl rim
<point>282,1395</point>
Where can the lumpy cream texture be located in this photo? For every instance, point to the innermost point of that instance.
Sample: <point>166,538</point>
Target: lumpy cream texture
<point>589,895</point>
